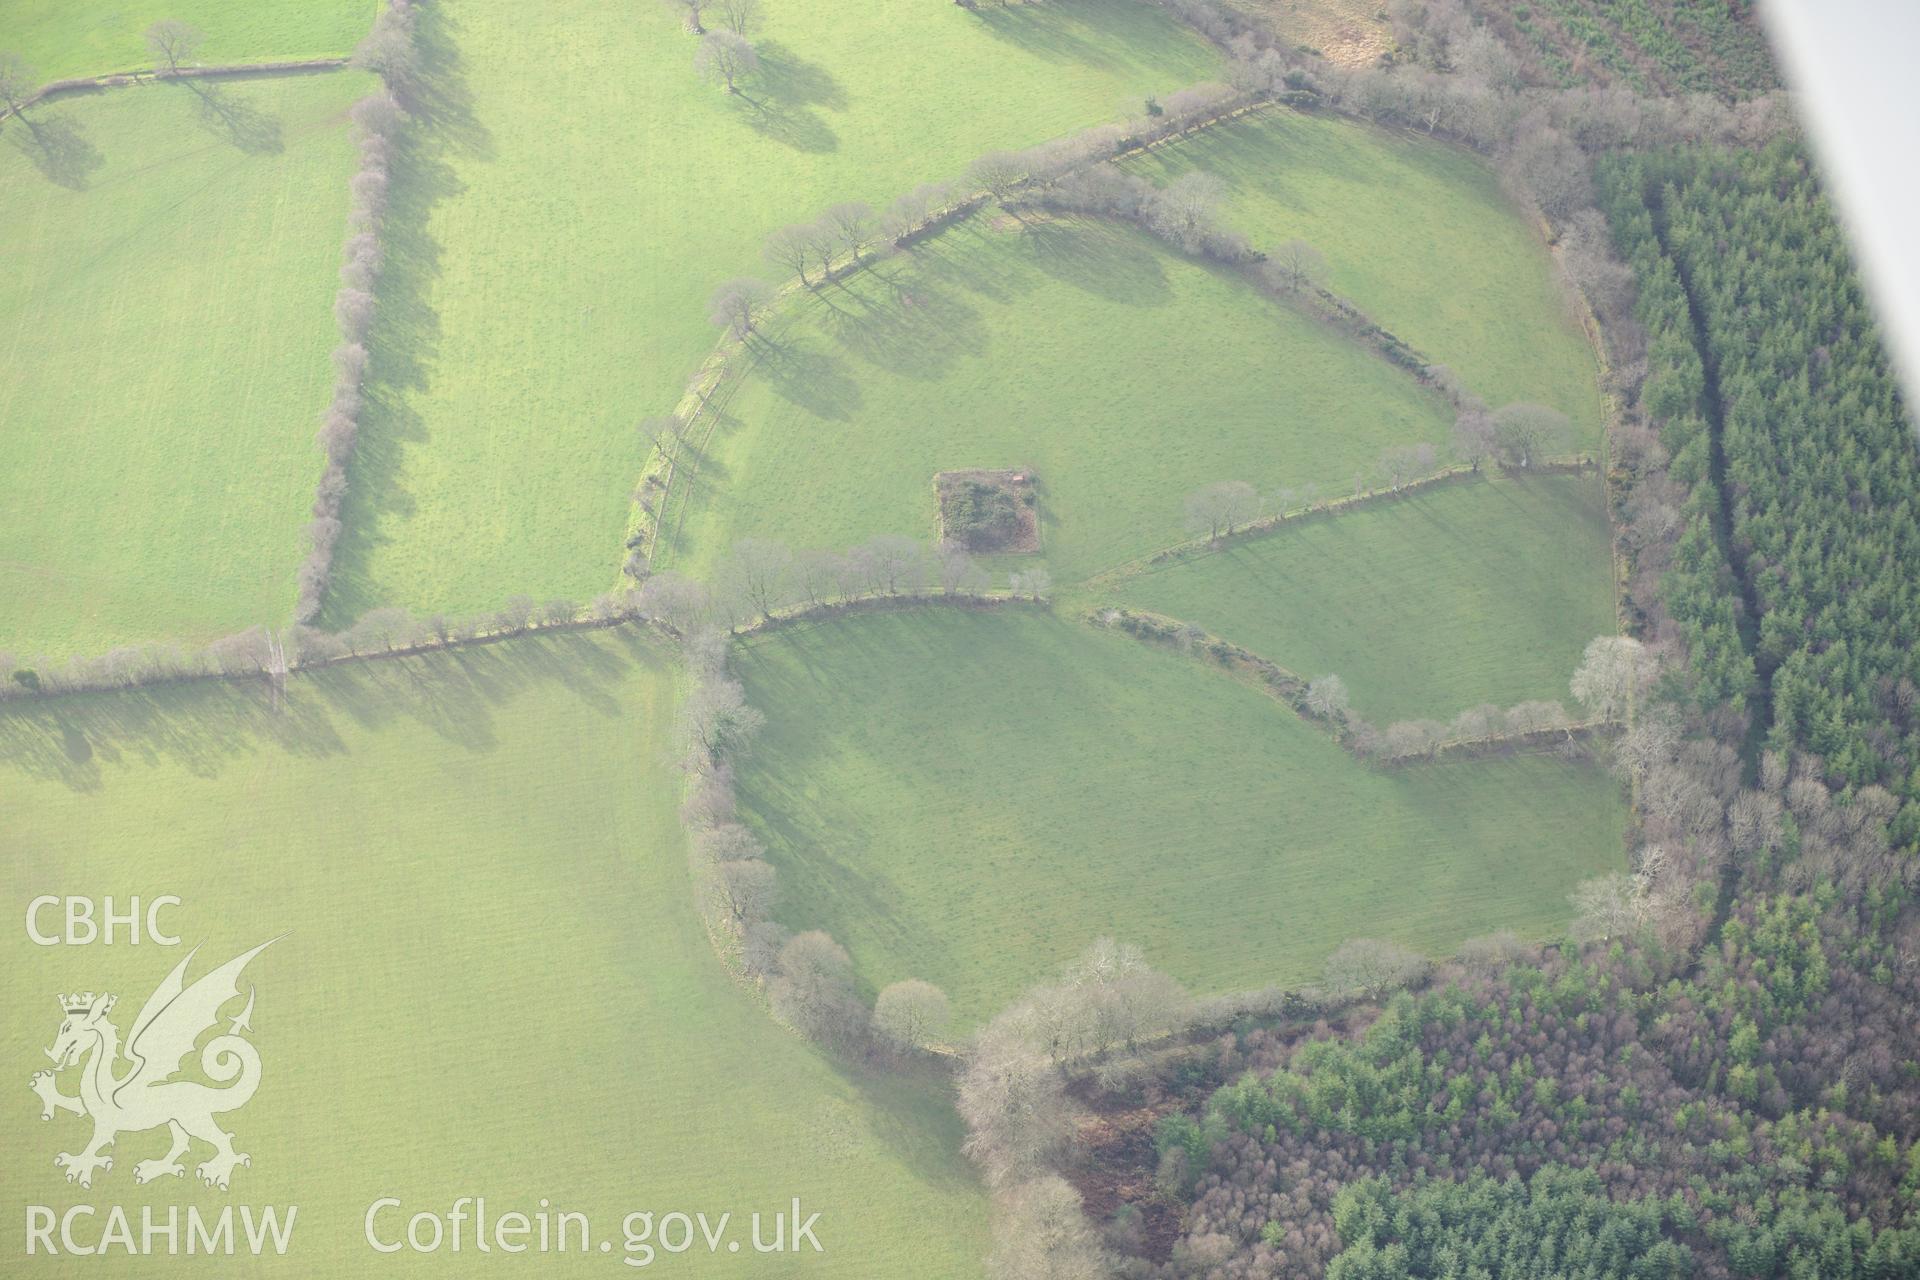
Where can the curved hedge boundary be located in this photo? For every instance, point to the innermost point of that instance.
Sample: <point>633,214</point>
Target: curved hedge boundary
<point>153,75</point>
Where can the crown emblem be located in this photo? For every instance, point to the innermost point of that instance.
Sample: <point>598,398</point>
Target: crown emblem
<point>81,1002</point>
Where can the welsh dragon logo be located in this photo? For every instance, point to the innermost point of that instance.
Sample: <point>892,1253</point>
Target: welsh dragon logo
<point>143,1095</point>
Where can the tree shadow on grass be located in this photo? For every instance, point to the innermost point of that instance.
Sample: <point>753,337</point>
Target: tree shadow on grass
<point>1069,31</point>
<point>404,345</point>
<point>784,100</point>
<point>82,740</point>
<point>905,321</point>
<point>801,372</point>
<point>1098,259</point>
<point>58,148</point>
<point>227,115</point>
<point>979,259</point>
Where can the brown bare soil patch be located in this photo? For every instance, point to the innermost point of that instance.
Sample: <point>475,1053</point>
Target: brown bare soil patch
<point>1347,33</point>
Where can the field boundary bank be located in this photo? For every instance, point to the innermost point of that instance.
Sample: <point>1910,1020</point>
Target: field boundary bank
<point>76,85</point>
<point>717,372</point>
<point>900,602</point>
<point>412,649</point>
<point>14,696</point>
<point>1196,548</point>
<point>723,370</point>
<point>1315,301</point>
<point>1290,688</point>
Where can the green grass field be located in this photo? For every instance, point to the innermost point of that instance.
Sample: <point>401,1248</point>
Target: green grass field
<point>492,980</point>
<point>165,319</point>
<point>1079,349</point>
<point>63,38</point>
<point>576,196</point>
<point>1472,592</point>
<point>1418,234</point>
<point>972,798</point>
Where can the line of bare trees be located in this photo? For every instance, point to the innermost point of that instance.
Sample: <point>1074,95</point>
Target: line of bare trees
<point>856,230</point>
<point>1115,1024</point>
<point>1613,674</point>
<point>761,579</point>
<point>725,54</point>
<point>1517,436</point>
<point>1461,82</point>
<point>377,121</point>
<point>274,653</point>
<point>1106,1007</point>
<point>1186,215</point>
<point>758,580</point>
<point>808,977</point>
<point>853,228</point>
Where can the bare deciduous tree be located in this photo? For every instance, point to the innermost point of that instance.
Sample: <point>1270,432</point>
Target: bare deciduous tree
<point>681,603</point>
<point>911,1015</point>
<point>1327,698</point>
<point>1650,741</point>
<point>1221,507</point>
<point>1041,1233</point>
<point>824,242</point>
<point>852,223</point>
<point>898,563</point>
<point>741,891</point>
<point>1371,968</point>
<point>690,12</point>
<point>791,247</point>
<point>1035,583</point>
<point>1533,717</point>
<point>1296,265</point>
<point>999,172</point>
<point>1184,210</point>
<point>386,629</point>
<point>761,572</point>
<point>914,208</point>
<point>1402,464</point>
<point>742,17</point>
<point>389,49</point>
<point>1612,675</point>
<point>18,81</point>
<point>1474,439</point>
<point>1492,952</point>
<point>1524,432</point>
<point>1414,737</point>
<point>812,990</point>
<point>173,42</point>
<point>661,431</point>
<point>1552,170</point>
<point>1609,906</point>
<point>736,306</point>
<point>1015,1104</point>
<point>725,58</point>
<point>718,719</point>
<point>819,574</point>
<point>1475,723</point>
<point>957,570</point>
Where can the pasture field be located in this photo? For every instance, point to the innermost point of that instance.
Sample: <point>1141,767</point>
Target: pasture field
<point>165,319</point>
<point>1477,591</point>
<point>1079,349</point>
<point>491,981</point>
<point>1418,234</point>
<point>575,194</point>
<point>63,38</point>
<point>971,798</point>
